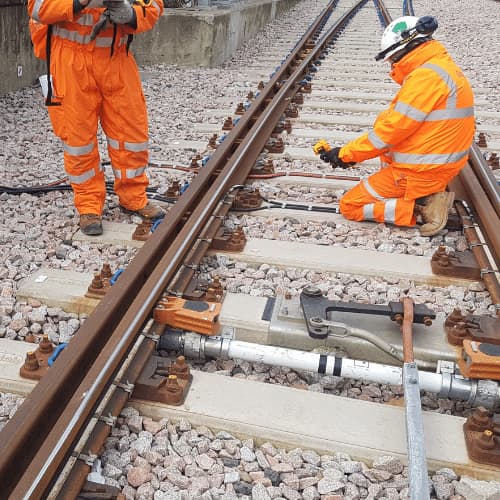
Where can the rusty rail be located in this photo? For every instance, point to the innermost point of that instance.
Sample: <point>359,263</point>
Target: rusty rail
<point>40,438</point>
<point>477,186</point>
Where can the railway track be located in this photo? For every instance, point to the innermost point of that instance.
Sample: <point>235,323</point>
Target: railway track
<point>112,347</point>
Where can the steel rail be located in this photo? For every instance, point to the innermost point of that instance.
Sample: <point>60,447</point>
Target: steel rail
<point>484,195</point>
<point>34,453</point>
<point>476,183</point>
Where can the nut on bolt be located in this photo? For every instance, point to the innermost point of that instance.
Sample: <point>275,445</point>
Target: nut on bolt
<point>179,368</point>
<point>312,291</point>
<point>486,441</point>
<point>31,362</point>
<point>172,385</point>
<point>480,418</point>
<point>45,346</point>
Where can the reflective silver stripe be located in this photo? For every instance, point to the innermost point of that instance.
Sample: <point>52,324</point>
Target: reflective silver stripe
<point>390,210</point>
<point>448,80</point>
<point>439,114</point>
<point>36,10</point>
<point>74,36</point>
<point>368,211</point>
<point>79,150</point>
<point>372,191</point>
<point>113,143</point>
<point>106,41</point>
<point>157,7</point>
<point>86,20</point>
<point>449,114</point>
<point>433,158</point>
<point>130,173</point>
<point>80,179</point>
<point>410,111</point>
<point>376,140</point>
<point>134,172</point>
<point>136,146</point>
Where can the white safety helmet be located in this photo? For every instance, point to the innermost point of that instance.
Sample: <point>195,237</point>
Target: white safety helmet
<point>402,31</point>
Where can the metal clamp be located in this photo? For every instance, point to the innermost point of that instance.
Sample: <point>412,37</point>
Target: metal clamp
<point>87,459</point>
<point>487,271</point>
<point>125,386</point>
<point>152,336</point>
<point>108,419</point>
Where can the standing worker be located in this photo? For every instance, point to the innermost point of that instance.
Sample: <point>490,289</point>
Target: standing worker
<point>94,78</point>
<point>422,139</point>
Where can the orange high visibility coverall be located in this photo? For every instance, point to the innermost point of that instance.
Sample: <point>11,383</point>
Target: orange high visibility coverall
<point>423,138</point>
<point>92,85</point>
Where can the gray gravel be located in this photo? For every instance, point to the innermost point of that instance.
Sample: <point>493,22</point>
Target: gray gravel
<point>36,230</point>
<point>176,461</point>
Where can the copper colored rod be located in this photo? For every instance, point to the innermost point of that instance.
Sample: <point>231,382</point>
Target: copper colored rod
<point>407,330</point>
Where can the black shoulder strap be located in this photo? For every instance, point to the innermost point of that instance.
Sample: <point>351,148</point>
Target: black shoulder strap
<point>130,39</point>
<point>48,99</point>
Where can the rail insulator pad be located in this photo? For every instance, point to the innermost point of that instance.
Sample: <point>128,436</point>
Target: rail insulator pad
<point>192,315</point>
<point>480,360</point>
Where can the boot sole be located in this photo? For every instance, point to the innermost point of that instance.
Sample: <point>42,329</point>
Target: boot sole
<point>136,212</point>
<point>451,199</point>
<point>92,230</point>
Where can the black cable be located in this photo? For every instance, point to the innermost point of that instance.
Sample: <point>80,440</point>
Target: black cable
<point>292,206</point>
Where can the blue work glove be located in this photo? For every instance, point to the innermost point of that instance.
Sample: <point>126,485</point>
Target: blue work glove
<point>332,157</point>
<point>119,11</point>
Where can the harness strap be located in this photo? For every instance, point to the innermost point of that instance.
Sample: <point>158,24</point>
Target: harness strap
<point>48,99</point>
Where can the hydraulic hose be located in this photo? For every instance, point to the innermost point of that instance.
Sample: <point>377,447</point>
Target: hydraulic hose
<point>476,392</point>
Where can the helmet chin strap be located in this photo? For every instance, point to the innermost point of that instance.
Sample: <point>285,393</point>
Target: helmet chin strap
<point>401,42</point>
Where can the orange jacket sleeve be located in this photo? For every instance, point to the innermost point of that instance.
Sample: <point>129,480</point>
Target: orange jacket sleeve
<point>419,95</point>
<point>51,11</point>
<point>146,16</point>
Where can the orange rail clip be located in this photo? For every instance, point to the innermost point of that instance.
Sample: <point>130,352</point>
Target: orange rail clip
<point>194,315</point>
<point>480,360</point>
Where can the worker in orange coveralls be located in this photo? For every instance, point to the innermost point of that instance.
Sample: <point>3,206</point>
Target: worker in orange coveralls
<point>95,78</point>
<point>422,139</point>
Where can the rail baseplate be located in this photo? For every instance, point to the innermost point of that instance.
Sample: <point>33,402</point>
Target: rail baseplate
<point>193,315</point>
<point>36,363</point>
<point>482,437</point>
<point>473,327</point>
<point>457,264</point>
<point>167,385</point>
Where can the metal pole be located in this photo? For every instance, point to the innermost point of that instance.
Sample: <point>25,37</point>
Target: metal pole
<point>415,439</point>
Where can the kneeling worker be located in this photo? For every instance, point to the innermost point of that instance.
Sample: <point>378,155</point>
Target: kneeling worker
<point>422,139</point>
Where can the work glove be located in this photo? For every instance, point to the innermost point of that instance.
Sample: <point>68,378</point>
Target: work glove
<point>119,11</point>
<point>95,4</point>
<point>332,157</point>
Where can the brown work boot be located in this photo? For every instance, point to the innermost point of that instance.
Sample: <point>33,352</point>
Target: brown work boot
<point>149,211</point>
<point>435,212</point>
<point>91,224</point>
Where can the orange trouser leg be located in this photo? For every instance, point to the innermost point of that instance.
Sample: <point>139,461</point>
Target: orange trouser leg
<point>125,123</point>
<point>75,122</point>
<point>379,198</point>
